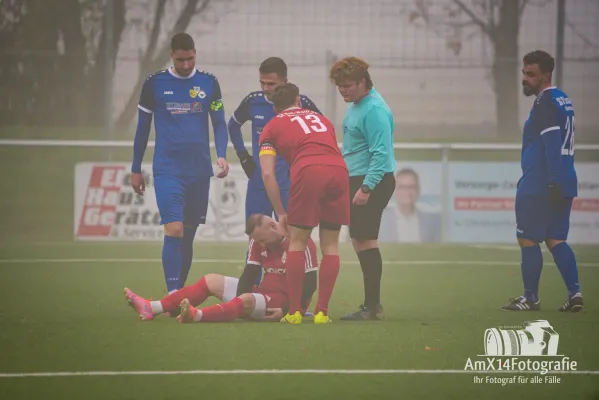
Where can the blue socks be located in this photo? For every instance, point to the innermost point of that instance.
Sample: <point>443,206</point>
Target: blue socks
<point>566,263</point>
<point>189,234</point>
<point>172,260</point>
<point>532,265</point>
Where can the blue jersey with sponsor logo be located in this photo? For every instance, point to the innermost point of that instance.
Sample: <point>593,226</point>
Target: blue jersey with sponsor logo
<point>548,146</point>
<point>181,107</point>
<point>255,107</point>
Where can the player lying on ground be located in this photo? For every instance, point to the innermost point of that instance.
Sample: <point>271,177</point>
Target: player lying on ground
<point>319,193</point>
<point>240,298</point>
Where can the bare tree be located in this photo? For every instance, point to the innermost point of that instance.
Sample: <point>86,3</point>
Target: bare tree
<point>156,54</point>
<point>497,20</point>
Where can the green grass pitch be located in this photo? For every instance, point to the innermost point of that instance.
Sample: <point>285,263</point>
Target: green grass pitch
<point>63,311</point>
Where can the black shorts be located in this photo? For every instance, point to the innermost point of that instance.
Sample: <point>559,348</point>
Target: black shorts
<point>365,220</point>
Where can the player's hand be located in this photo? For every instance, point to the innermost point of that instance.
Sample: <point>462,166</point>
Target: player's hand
<point>360,198</point>
<point>273,314</point>
<point>224,166</point>
<point>248,164</point>
<point>137,183</point>
<point>283,222</point>
<point>555,193</point>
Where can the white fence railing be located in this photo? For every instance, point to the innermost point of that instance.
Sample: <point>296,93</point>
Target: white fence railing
<point>444,149</point>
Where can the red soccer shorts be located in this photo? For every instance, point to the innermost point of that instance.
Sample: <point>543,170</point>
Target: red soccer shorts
<point>273,299</point>
<point>319,193</point>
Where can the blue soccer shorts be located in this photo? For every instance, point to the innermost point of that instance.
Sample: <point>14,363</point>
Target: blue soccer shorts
<point>537,218</point>
<point>257,201</point>
<point>182,199</point>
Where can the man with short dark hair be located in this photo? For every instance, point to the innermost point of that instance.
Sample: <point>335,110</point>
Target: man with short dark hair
<point>548,185</point>
<point>257,108</point>
<point>182,99</point>
<point>319,193</point>
<point>368,151</point>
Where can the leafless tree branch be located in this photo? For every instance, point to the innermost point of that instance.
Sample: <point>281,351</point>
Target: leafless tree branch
<point>479,22</point>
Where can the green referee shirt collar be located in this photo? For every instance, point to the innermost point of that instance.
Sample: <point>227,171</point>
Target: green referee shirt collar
<point>370,92</point>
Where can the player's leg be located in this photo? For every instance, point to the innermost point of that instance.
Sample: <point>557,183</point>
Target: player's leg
<point>250,305</point>
<point>197,197</point>
<point>531,228</point>
<point>364,231</point>
<point>170,193</point>
<point>219,286</point>
<point>333,214</point>
<point>557,234</point>
<point>302,217</point>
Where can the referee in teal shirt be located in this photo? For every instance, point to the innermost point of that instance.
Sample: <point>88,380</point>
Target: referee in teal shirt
<point>369,155</point>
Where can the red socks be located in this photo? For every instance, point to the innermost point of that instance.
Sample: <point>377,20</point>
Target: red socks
<point>223,312</point>
<point>295,266</point>
<point>327,276</point>
<point>196,294</point>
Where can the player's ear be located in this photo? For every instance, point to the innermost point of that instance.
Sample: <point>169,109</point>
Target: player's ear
<point>298,101</point>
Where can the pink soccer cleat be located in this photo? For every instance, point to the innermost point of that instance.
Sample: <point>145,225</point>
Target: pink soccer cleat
<point>188,312</point>
<point>140,305</point>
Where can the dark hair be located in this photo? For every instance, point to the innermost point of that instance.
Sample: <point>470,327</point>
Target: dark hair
<point>543,59</point>
<point>274,65</point>
<point>254,221</point>
<point>350,69</point>
<point>182,41</point>
<point>285,96</point>
<point>408,171</point>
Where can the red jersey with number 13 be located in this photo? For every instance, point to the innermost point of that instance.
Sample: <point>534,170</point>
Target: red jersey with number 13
<point>302,137</point>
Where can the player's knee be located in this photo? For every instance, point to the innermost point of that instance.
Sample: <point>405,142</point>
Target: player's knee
<point>299,239</point>
<point>551,243</point>
<point>526,242</point>
<point>361,245</point>
<point>249,303</point>
<point>174,229</point>
<point>329,241</point>
<point>215,283</point>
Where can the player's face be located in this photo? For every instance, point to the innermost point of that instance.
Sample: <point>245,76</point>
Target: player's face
<point>406,190</point>
<point>184,61</point>
<point>269,83</point>
<point>267,233</point>
<point>351,90</point>
<point>533,79</point>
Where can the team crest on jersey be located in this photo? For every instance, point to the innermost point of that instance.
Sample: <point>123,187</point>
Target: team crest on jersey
<point>197,92</point>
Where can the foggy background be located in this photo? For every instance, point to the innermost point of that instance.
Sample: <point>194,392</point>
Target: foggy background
<point>447,68</point>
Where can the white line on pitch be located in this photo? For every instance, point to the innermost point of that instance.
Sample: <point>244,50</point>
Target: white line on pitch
<point>281,372</point>
<point>240,261</point>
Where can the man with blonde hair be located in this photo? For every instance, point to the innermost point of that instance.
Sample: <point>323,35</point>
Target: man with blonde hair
<point>368,151</point>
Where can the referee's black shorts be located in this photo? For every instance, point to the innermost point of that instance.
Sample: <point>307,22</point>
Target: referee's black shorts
<point>365,220</point>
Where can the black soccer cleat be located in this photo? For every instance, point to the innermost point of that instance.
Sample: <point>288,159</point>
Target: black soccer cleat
<point>365,314</point>
<point>573,304</point>
<point>521,304</point>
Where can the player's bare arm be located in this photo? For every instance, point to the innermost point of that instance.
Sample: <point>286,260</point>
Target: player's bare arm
<point>268,161</point>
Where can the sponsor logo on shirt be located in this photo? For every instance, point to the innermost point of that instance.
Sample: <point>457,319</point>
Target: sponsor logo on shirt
<point>184,108</point>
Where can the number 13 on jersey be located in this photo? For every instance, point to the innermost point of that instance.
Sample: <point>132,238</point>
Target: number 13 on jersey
<point>316,124</point>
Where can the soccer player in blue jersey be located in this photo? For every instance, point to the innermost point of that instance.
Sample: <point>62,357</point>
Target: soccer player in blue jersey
<point>258,108</point>
<point>548,185</point>
<point>181,98</point>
